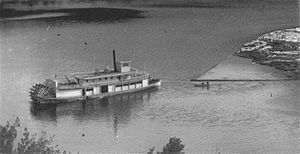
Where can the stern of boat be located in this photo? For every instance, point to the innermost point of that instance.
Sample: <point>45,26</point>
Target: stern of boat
<point>40,93</point>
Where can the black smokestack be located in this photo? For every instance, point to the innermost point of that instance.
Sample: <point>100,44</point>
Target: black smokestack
<point>114,59</point>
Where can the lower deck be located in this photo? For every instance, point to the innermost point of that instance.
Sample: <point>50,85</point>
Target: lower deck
<point>102,90</point>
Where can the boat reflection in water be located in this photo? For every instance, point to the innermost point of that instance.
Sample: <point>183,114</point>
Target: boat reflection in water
<point>116,109</point>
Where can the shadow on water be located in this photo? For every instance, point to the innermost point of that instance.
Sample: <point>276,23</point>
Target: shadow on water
<point>66,16</point>
<point>44,112</point>
<point>117,109</point>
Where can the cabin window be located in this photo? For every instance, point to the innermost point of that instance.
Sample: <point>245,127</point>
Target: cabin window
<point>119,77</point>
<point>125,64</point>
<point>86,80</point>
<point>112,77</point>
<point>105,78</point>
<point>117,86</point>
<point>99,79</point>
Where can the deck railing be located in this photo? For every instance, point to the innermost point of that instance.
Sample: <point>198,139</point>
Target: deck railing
<point>139,78</point>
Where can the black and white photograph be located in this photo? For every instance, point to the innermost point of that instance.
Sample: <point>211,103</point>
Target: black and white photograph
<point>149,76</point>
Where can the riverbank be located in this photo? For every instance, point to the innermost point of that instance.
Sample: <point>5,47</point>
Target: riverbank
<point>72,14</point>
<point>279,49</point>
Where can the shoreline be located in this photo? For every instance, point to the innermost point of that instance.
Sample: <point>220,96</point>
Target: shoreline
<point>80,14</point>
<point>35,16</point>
<point>279,49</point>
<point>273,56</point>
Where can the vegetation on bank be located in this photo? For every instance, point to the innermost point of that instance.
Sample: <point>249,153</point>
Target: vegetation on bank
<point>173,147</point>
<point>28,143</point>
<point>33,144</point>
<point>280,49</point>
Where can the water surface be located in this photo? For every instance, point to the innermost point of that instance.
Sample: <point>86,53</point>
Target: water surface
<point>174,44</point>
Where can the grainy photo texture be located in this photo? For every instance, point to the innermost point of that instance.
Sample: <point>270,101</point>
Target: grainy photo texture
<point>149,76</point>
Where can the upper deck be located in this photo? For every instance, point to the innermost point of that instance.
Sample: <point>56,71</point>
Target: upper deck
<point>103,74</point>
<point>122,73</point>
<point>90,79</point>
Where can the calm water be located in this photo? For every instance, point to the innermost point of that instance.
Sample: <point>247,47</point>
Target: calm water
<point>174,44</point>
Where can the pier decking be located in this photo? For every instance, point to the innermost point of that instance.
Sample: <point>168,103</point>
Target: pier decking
<point>236,69</point>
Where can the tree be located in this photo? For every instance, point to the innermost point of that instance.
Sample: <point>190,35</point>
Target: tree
<point>173,147</point>
<point>29,144</point>
<point>8,134</point>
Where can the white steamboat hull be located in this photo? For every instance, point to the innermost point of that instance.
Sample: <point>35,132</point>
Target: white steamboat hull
<point>44,100</point>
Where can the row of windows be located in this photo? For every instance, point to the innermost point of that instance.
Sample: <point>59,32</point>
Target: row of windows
<point>127,84</point>
<point>106,78</point>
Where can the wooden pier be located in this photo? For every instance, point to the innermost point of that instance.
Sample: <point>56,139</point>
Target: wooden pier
<point>240,80</point>
<point>236,69</point>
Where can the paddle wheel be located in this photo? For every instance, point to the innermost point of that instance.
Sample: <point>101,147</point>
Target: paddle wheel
<point>40,92</point>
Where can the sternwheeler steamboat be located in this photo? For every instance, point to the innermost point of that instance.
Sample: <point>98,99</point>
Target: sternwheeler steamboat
<point>98,84</point>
